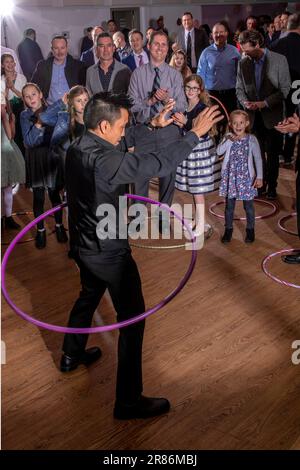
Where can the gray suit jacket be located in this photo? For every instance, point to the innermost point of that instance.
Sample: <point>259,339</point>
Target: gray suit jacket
<point>119,81</point>
<point>275,86</point>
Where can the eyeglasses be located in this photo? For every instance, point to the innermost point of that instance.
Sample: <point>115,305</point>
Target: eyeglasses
<point>192,88</point>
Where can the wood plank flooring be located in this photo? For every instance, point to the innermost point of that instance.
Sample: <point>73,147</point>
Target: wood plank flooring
<point>220,352</point>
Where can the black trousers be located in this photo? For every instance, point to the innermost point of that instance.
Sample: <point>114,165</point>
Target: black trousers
<point>151,141</point>
<point>116,271</point>
<point>270,142</point>
<point>228,99</point>
<point>298,201</point>
<point>298,189</point>
<point>39,201</point>
<point>229,213</point>
<point>290,140</point>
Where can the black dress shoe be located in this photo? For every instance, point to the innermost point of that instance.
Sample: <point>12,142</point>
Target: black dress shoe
<point>40,239</point>
<point>261,191</point>
<point>227,235</point>
<point>272,194</point>
<point>250,235</point>
<point>89,356</point>
<point>61,235</point>
<point>145,407</point>
<point>9,222</point>
<point>292,259</point>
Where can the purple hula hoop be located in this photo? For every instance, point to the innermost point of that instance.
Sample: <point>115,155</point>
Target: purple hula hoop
<point>274,278</point>
<point>260,201</point>
<point>97,329</point>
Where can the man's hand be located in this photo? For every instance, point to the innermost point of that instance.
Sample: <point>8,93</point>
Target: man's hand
<point>250,105</point>
<point>254,105</point>
<point>206,119</point>
<point>260,104</point>
<point>162,95</point>
<point>291,124</point>
<point>160,120</point>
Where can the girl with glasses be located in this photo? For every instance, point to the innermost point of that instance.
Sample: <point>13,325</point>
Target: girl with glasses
<point>200,173</point>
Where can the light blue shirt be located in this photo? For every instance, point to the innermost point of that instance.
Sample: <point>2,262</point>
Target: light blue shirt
<point>218,67</point>
<point>59,85</point>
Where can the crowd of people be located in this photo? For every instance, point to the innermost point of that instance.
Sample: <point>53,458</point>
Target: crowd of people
<point>65,131</point>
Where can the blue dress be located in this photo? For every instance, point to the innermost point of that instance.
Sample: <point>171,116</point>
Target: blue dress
<point>235,179</point>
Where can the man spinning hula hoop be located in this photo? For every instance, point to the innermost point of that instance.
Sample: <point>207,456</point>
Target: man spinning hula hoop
<point>96,173</point>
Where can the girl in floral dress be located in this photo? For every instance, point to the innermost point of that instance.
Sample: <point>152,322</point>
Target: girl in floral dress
<point>241,172</point>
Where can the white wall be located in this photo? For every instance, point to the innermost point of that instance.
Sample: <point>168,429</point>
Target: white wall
<point>48,21</point>
<point>170,14</point>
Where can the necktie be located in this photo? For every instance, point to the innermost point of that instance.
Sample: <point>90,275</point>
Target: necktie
<point>189,50</point>
<point>156,85</point>
<point>141,62</point>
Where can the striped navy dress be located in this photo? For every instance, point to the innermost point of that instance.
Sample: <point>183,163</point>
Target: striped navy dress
<point>200,173</point>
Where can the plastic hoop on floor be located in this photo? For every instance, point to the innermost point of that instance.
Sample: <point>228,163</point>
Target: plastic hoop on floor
<point>25,212</point>
<point>207,235</point>
<point>284,219</point>
<point>274,278</point>
<point>257,217</point>
<point>97,329</point>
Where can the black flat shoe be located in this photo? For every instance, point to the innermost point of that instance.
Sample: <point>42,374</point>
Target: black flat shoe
<point>40,239</point>
<point>272,194</point>
<point>250,235</point>
<point>292,259</point>
<point>89,356</point>
<point>145,407</point>
<point>9,222</point>
<point>61,235</point>
<point>227,235</point>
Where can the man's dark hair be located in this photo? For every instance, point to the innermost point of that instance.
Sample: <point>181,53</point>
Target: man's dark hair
<point>224,24</point>
<point>286,12</point>
<point>104,35</point>
<point>252,17</point>
<point>105,106</point>
<point>59,36</point>
<point>135,31</point>
<point>112,21</point>
<point>157,33</point>
<point>294,21</point>
<point>188,13</point>
<point>252,37</point>
<point>29,32</point>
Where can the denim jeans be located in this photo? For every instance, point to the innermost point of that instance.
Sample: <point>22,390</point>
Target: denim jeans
<point>229,213</point>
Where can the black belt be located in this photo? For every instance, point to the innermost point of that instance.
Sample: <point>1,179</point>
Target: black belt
<point>223,92</point>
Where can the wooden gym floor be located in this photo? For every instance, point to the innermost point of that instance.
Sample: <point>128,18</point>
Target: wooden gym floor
<point>220,352</point>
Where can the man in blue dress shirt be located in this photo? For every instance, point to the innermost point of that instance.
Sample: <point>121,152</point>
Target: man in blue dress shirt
<point>218,67</point>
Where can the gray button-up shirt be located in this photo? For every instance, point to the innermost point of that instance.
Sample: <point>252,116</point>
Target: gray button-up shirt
<point>140,88</point>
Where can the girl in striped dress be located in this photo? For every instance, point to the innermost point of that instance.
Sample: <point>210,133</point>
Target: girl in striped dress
<point>200,173</point>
